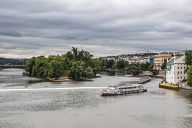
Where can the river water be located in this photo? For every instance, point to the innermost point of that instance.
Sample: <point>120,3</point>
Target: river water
<point>79,104</point>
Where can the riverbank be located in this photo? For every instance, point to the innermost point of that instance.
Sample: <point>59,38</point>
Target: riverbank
<point>61,79</point>
<point>186,87</point>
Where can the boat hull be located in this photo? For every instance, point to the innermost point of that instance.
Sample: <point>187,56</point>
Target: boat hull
<point>123,93</point>
<point>169,86</point>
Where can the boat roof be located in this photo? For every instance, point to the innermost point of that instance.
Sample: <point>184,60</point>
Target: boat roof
<point>126,85</point>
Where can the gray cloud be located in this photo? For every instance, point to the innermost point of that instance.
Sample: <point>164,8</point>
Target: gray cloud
<point>103,27</point>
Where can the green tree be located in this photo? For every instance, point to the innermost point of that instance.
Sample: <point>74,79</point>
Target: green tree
<point>29,66</point>
<point>56,69</point>
<point>75,53</point>
<point>96,65</point>
<point>133,67</point>
<point>188,59</point>
<point>143,67</point>
<point>164,65</point>
<point>189,75</point>
<point>110,63</point>
<point>88,73</point>
<point>76,70</point>
<point>35,66</point>
<point>121,64</point>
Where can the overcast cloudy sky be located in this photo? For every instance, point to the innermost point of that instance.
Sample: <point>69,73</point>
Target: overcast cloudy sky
<point>103,27</point>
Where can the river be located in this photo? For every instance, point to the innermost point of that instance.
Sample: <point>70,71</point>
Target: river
<point>79,104</point>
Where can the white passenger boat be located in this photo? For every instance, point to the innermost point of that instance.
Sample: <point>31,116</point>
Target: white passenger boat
<point>123,88</point>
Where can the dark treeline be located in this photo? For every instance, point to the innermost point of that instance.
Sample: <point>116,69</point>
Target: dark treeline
<point>75,64</point>
<point>122,64</point>
<point>188,61</point>
<point>12,61</point>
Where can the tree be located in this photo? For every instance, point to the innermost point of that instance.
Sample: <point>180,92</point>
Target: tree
<point>121,64</point>
<point>56,69</point>
<point>35,66</point>
<point>76,70</point>
<point>29,66</point>
<point>143,66</point>
<point>188,59</point>
<point>189,75</point>
<point>110,63</point>
<point>96,65</point>
<point>164,65</point>
<point>150,67</point>
<point>133,67</point>
<point>88,73</point>
<point>75,53</point>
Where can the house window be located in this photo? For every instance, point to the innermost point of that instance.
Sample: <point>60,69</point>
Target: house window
<point>177,72</point>
<point>180,77</point>
<point>181,72</point>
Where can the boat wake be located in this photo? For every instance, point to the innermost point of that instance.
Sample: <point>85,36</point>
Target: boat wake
<point>50,89</point>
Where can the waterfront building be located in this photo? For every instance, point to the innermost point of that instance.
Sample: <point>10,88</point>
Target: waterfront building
<point>140,60</point>
<point>175,72</point>
<point>125,58</point>
<point>144,60</point>
<point>160,59</point>
<point>151,60</point>
<point>135,60</point>
<point>109,58</point>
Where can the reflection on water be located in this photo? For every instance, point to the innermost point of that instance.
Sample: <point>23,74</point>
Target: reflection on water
<point>79,104</point>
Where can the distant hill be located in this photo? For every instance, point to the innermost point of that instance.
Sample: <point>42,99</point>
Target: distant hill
<point>12,61</point>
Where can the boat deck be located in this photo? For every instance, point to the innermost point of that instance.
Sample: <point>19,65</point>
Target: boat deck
<point>126,87</point>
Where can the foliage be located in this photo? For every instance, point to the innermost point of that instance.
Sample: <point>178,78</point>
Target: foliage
<point>188,55</point>
<point>77,69</point>
<point>110,63</point>
<point>188,61</point>
<point>12,61</point>
<point>189,75</point>
<point>121,64</point>
<point>76,64</point>
<point>164,65</point>
<point>56,67</point>
<point>96,65</point>
<point>88,73</point>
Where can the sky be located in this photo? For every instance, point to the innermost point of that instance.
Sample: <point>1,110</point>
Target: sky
<point>103,27</point>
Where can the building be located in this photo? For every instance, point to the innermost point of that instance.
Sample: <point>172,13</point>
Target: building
<point>151,60</point>
<point>135,60</point>
<point>125,58</point>
<point>160,59</point>
<point>175,72</point>
<point>109,58</point>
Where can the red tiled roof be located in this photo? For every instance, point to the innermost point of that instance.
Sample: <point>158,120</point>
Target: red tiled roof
<point>164,55</point>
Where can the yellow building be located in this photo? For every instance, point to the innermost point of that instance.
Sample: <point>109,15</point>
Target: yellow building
<point>160,59</point>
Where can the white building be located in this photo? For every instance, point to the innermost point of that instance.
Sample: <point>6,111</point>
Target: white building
<point>175,72</point>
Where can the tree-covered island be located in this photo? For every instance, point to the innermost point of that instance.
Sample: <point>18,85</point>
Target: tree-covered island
<point>75,64</point>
